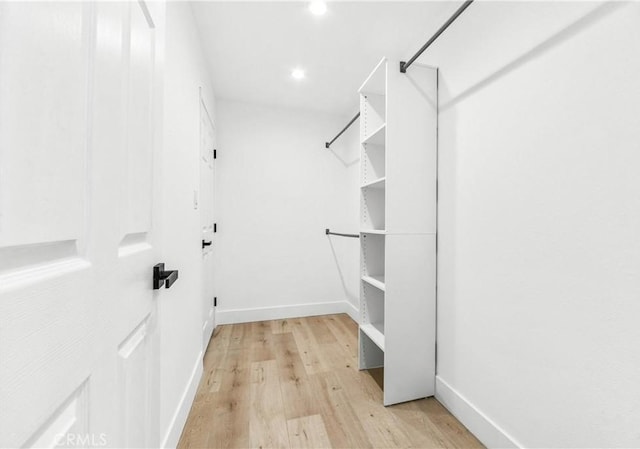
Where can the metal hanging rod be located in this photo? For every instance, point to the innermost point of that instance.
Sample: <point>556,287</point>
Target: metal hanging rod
<point>328,144</point>
<point>405,65</point>
<point>328,232</point>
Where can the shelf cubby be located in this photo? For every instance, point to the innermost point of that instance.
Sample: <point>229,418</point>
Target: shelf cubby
<point>375,331</point>
<point>372,118</point>
<point>377,136</point>
<point>373,162</point>
<point>372,339</point>
<point>372,249</point>
<point>373,307</point>
<point>372,209</point>
<point>371,343</point>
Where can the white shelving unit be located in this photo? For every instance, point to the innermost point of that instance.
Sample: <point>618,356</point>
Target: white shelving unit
<point>398,135</point>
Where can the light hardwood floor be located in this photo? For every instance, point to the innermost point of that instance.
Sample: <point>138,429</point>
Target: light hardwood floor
<point>295,383</point>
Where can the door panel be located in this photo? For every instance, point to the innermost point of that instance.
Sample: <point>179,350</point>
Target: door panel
<point>44,60</point>
<point>78,334</point>
<point>44,319</point>
<point>44,331</point>
<point>136,203</point>
<point>124,158</point>
<point>207,172</point>
<point>135,371</point>
<point>136,332</point>
<point>70,420</point>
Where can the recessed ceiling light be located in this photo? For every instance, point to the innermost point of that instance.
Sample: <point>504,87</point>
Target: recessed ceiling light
<point>318,8</point>
<point>297,74</point>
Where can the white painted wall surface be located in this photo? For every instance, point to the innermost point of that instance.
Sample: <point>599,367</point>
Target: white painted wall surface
<point>539,218</point>
<point>180,306</point>
<point>277,190</point>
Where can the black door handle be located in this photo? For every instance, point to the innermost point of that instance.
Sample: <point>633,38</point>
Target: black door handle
<point>205,243</point>
<point>162,277</point>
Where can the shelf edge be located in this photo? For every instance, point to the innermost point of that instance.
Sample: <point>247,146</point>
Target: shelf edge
<point>374,282</point>
<point>374,334</point>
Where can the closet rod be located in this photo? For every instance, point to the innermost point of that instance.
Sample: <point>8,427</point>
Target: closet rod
<point>405,65</point>
<point>328,144</point>
<point>328,232</point>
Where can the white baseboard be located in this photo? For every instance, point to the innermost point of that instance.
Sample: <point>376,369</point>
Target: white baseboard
<point>352,311</point>
<point>487,431</point>
<point>280,312</point>
<point>172,437</point>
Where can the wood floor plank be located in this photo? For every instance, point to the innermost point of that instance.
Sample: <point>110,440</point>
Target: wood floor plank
<point>212,378</point>
<point>297,391</point>
<point>213,371</point>
<point>236,370</point>
<point>455,434</point>
<point>216,418</point>
<point>239,336</point>
<point>417,426</point>
<point>365,398</point>
<point>267,424</point>
<point>222,337</point>
<point>196,431</point>
<point>351,325</point>
<point>308,348</point>
<point>261,342</point>
<point>318,326</point>
<point>344,337</point>
<point>341,421</point>
<point>280,326</point>
<point>213,362</point>
<point>328,332</point>
<point>334,357</point>
<point>362,385</point>
<point>230,421</point>
<point>296,383</point>
<point>308,432</point>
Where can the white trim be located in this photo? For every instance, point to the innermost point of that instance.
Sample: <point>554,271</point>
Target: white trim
<point>487,431</point>
<point>352,310</point>
<point>280,312</point>
<point>181,414</point>
<point>207,330</point>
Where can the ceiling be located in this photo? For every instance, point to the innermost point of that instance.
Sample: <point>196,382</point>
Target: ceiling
<point>252,47</point>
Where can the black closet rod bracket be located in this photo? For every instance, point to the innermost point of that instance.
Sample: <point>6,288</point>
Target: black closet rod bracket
<point>405,65</point>
<point>328,144</point>
<point>328,232</point>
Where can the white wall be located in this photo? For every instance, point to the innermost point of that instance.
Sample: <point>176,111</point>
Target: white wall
<point>180,306</point>
<point>277,190</point>
<point>539,217</point>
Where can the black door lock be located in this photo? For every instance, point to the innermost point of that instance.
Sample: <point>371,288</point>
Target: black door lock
<point>162,277</point>
<point>204,243</point>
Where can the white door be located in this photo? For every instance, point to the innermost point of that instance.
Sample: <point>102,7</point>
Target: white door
<point>78,216</point>
<point>207,171</point>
